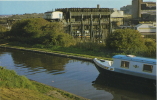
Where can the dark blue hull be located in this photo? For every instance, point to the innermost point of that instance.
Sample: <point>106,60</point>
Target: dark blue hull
<point>125,80</point>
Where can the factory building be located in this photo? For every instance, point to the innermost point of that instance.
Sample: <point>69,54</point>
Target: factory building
<point>127,9</point>
<point>143,11</point>
<point>116,17</point>
<point>86,23</point>
<point>146,28</point>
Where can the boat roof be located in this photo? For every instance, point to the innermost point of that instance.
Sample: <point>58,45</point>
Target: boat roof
<point>136,59</point>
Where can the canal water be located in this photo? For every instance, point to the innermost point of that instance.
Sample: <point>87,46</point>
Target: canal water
<point>76,76</point>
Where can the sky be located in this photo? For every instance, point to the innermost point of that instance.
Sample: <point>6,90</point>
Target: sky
<point>9,7</point>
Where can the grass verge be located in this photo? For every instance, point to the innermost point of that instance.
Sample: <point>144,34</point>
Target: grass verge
<point>71,51</point>
<point>16,87</point>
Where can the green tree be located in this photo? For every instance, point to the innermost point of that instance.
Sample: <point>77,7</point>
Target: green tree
<point>3,32</point>
<point>28,30</point>
<point>3,29</point>
<point>40,31</point>
<point>151,47</point>
<point>55,35</point>
<point>126,41</point>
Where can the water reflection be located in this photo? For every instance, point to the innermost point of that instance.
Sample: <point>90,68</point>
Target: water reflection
<point>37,61</point>
<point>121,91</point>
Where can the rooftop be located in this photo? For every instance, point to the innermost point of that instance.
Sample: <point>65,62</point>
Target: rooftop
<point>136,59</point>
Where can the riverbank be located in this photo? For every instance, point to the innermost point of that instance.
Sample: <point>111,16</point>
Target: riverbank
<point>53,52</point>
<point>53,93</point>
<point>16,87</point>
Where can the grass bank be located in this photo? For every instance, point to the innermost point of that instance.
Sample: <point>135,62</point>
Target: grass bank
<point>16,87</point>
<point>69,51</point>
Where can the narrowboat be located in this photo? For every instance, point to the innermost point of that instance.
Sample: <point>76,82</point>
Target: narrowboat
<point>128,67</point>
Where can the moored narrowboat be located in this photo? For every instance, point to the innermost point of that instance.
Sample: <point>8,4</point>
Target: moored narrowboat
<point>128,66</point>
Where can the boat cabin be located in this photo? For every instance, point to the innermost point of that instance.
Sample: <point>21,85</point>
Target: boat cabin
<point>130,64</point>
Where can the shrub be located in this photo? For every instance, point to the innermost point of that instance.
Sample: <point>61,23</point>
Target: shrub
<point>40,31</point>
<point>3,31</point>
<point>126,41</point>
<point>28,30</point>
<point>151,47</point>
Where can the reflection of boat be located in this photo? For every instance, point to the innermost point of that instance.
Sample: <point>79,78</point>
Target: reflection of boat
<point>129,68</point>
<point>123,90</point>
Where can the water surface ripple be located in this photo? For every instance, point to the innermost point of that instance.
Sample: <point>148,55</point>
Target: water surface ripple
<point>75,76</point>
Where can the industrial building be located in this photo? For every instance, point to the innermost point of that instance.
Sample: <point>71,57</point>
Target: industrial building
<point>91,23</point>
<point>127,9</point>
<point>143,11</point>
<point>116,18</point>
<point>146,28</point>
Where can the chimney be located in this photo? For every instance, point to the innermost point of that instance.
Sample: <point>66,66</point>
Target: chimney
<point>98,6</point>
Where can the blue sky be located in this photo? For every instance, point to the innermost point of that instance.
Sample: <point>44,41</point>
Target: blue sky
<point>41,6</point>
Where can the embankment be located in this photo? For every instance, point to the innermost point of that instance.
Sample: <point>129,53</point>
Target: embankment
<point>45,52</point>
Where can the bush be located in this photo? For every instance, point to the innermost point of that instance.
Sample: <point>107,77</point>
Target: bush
<point>39,31</point>
<point>3,31</point>
<point>28,30</point>
<point>151,47</point>
<point>126,41</point>
<point>55,35</point>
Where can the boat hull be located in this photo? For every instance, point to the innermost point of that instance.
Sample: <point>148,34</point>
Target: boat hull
<point>127,79</point>
<point>122,88</point>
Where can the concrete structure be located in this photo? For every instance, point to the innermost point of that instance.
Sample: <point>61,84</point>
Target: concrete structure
<point>117,17</point>
<point>93,23</point>
<point>148,11</point>
<point>89,23</point>
<point>53,15</point>
<point>143,10</point>
<point>127,9</point>
<point>136,8</point>
<point>146,28</point>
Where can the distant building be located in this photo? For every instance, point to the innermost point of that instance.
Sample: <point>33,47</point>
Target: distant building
<point>127,9</point>
<point>117,17</point>
<point>53,15</point>
<point>146,29</point>
<point>143,10</point>
<point>93,23</point>
<point>148,11</point>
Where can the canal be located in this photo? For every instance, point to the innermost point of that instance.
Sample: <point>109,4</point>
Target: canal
<point>76,76</point>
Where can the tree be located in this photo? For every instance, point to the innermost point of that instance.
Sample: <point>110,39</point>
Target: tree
<point>31,28</point>
<point>126,41</point>
<point>151,47</point>
<point>3,31</point>
<point>55,35</point>
<point>40,31</point>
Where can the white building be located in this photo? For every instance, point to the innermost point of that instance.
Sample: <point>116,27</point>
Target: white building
<point>116,13</point>
<point>146,28</point>
<point>117,17</point>
<point>52,15</point>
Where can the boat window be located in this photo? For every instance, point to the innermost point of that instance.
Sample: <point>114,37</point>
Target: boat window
<point>102,60</point>
<point>147,68</point>
<point>125,64</point>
